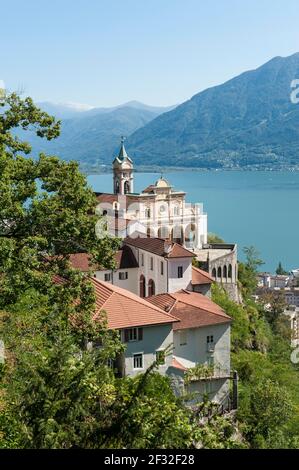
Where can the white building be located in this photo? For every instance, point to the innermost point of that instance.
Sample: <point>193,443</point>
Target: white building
<point>149,266</point>
<point>194,327</point>
<point>158,211</point>
<point>202,336</point>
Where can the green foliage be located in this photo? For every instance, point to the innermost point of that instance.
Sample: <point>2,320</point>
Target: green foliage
<point>56,391</point>
<point>248,271</point>
<point>280,270</point>
<point>269,382</point>
<point>200,371</point>
<point>213,238</point>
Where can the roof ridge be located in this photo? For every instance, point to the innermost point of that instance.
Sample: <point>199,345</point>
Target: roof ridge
<point>131,295</point>
<point>224,315</point>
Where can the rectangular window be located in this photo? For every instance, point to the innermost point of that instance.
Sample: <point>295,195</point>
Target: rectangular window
<point>107,277</point>
<point>138,361</point>
<point>160,357</point>
<point>133,334</point>
<point>110,363</point>
<point>210,339</point>
<point>122,276</point>
<point>162,268</point>
<point>142,259</point>
<point>152,263</point>
<point>183,337</point>
<point>180,272</point>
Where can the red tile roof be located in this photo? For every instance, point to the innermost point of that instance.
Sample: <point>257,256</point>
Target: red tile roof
<point>125,309</point>
<point>193,309</point>
<point>200,277</point>
<point>177,365</point>
<point>159,246</point>
<point>124,259</point>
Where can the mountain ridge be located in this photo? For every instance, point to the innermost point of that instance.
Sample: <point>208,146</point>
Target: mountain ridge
<point>248,120</point>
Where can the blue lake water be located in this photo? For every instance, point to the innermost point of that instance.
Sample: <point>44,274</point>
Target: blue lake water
<point>250,208</point>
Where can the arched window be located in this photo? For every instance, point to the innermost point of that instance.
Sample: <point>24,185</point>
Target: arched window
<point>214,273</point>
<point>230,271</point>
<point>176,210</point>
<point>105,212</point>
<point>225,272</point>
<point>151,287</point>
<point>115,206</point>
<point>142,286</point>
<point>116,187</point>
<point>127,187</point>
<point>190,233</point>
<point>163,232</point>
<point>177,234</point>
<point>219,272</point>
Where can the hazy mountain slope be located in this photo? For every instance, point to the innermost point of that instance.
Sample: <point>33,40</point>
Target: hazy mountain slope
<point>248,120</point>
<point>92,138</point>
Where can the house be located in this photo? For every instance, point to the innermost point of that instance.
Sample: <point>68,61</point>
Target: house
<point>164,266</point>
<point>149,266</point>
<point>202,336</point>
<point>146,330</point>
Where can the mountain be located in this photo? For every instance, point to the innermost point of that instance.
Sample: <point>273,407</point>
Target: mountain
<point>91,138</point>
<point>91,135</point>
<point>248,121</point>
<point>64,110</point>
<point>77,110</point>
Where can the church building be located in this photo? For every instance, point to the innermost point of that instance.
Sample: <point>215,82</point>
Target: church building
<point>157,211</point>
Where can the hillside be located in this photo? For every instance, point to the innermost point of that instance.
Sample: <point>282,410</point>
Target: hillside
<point>248,121</point>
<point>93,136</point>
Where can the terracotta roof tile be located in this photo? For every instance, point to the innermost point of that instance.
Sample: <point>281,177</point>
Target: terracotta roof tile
<point>177,365</point>
<point>125,309</point>
<point>193,309</point>
<point>124,258</point>
<point>200,277</point>
<point>159,246</point>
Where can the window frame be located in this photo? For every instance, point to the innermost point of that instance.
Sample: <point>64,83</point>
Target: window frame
<point>180,271</point>
<point>142,360</point>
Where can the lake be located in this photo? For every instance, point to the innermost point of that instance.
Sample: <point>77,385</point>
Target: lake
<point>259,208</point>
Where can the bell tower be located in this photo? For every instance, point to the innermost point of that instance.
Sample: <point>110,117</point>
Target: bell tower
<point>123,179</point>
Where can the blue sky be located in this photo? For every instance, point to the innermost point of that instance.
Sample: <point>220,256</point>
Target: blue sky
<point>161,52</point>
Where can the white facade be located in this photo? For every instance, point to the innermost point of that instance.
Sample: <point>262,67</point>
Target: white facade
<point>197,350</point>
<point>126,278</point>
<point>155,338</point>
<point>160,210</point>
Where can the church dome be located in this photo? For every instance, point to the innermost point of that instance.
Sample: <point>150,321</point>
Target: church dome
<point>162,183</point>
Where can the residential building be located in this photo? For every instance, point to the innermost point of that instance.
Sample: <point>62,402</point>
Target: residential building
<point>196,327</point>
<point>202,336</point>
<point>149,266</point>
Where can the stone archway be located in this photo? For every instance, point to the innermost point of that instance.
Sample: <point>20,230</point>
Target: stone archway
<point>151,287</point>
<point>142,286</point>
<point>177,234</point>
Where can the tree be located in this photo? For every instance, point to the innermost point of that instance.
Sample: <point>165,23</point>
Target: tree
<point>248,271</point>
<point>213,238</point>
<point>56,391</point>
<point>280,271</point>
